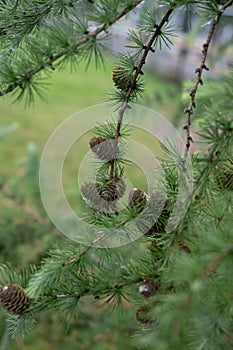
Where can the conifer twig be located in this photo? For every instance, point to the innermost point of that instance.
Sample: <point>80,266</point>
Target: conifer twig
<point>205,273</point>
<point>138,70</point>
<point>48,63</point>
<point>199,81</point>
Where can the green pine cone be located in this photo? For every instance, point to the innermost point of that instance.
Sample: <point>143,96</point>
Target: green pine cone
<point>120,80</point>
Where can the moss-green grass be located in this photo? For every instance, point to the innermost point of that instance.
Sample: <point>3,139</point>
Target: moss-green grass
<point>67,93</point>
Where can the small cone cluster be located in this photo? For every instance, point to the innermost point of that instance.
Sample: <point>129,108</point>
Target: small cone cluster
<point>13,298</point>
<point>103,197</point>
<point>91,193</point>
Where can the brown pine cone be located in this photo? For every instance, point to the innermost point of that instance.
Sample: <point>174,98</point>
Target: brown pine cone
<point>143,315</point>
<point>103,148</point>
<point>13,298</point>
<point>148,287</point>
<point>113,189</point>
<point>137,199</point>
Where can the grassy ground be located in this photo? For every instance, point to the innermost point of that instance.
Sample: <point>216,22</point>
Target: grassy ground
<point>67,94</point>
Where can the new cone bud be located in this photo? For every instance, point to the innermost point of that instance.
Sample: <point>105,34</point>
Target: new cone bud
<point>120,80</point>
<point>13,298</point>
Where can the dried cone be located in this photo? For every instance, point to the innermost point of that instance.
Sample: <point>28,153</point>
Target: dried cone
<point>148,287</point>
<point>137,199</point>
<point>113,189</point>
<point>142,315</point>
<point>103,148</point>
<point>13,299</point>
<point>120,80</point>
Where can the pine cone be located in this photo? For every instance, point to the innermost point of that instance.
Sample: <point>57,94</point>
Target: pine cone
<point>91,193</point>
<point>13,299</point>
<point>148,287</point>
<point>120,80</point>
<point>113,189</point>
<point>142,315</point>
<point>137,199</point>
<point>161,204</point>
<point>225,176</point>
<point>184,247</point>
<point>154,218</point>
<point>158,199</point>
<point>103,148</point>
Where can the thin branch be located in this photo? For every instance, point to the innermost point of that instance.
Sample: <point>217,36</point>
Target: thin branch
<point>138,69</point>
<point>6,191</point>
<point>199,81</point>
<point>216,262</point>
<point>100,238</point>
<point>85,39</point>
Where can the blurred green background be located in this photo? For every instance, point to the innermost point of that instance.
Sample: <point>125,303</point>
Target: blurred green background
<point>25,232</point>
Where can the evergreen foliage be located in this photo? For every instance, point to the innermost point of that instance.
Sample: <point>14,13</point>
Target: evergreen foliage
<point>176,291</point>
